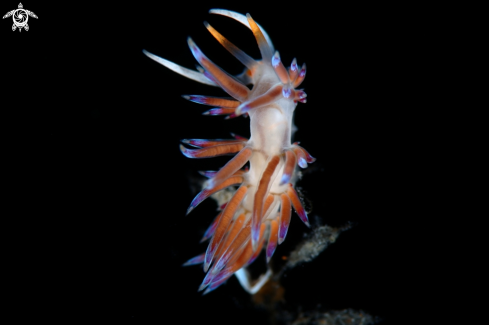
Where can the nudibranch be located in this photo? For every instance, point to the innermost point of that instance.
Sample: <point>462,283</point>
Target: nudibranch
<point>259,210</point>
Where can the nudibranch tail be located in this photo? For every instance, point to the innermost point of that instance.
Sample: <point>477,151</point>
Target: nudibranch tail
<point>258,213</point>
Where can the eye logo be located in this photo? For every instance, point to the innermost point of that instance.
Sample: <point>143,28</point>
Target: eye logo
<point>20,17</point>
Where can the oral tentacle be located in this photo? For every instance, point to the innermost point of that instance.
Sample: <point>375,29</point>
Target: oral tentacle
<point>191,74</point>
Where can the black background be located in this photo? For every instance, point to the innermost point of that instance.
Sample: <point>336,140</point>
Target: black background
<point>92,130</point>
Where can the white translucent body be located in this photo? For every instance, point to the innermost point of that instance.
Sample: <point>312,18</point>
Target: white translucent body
<point>271,127</point>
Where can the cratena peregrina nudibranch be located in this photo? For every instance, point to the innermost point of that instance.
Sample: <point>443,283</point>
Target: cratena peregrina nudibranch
<point>259,210</point>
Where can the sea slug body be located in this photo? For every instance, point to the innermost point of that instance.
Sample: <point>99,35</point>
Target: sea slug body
<point>259,212</point>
